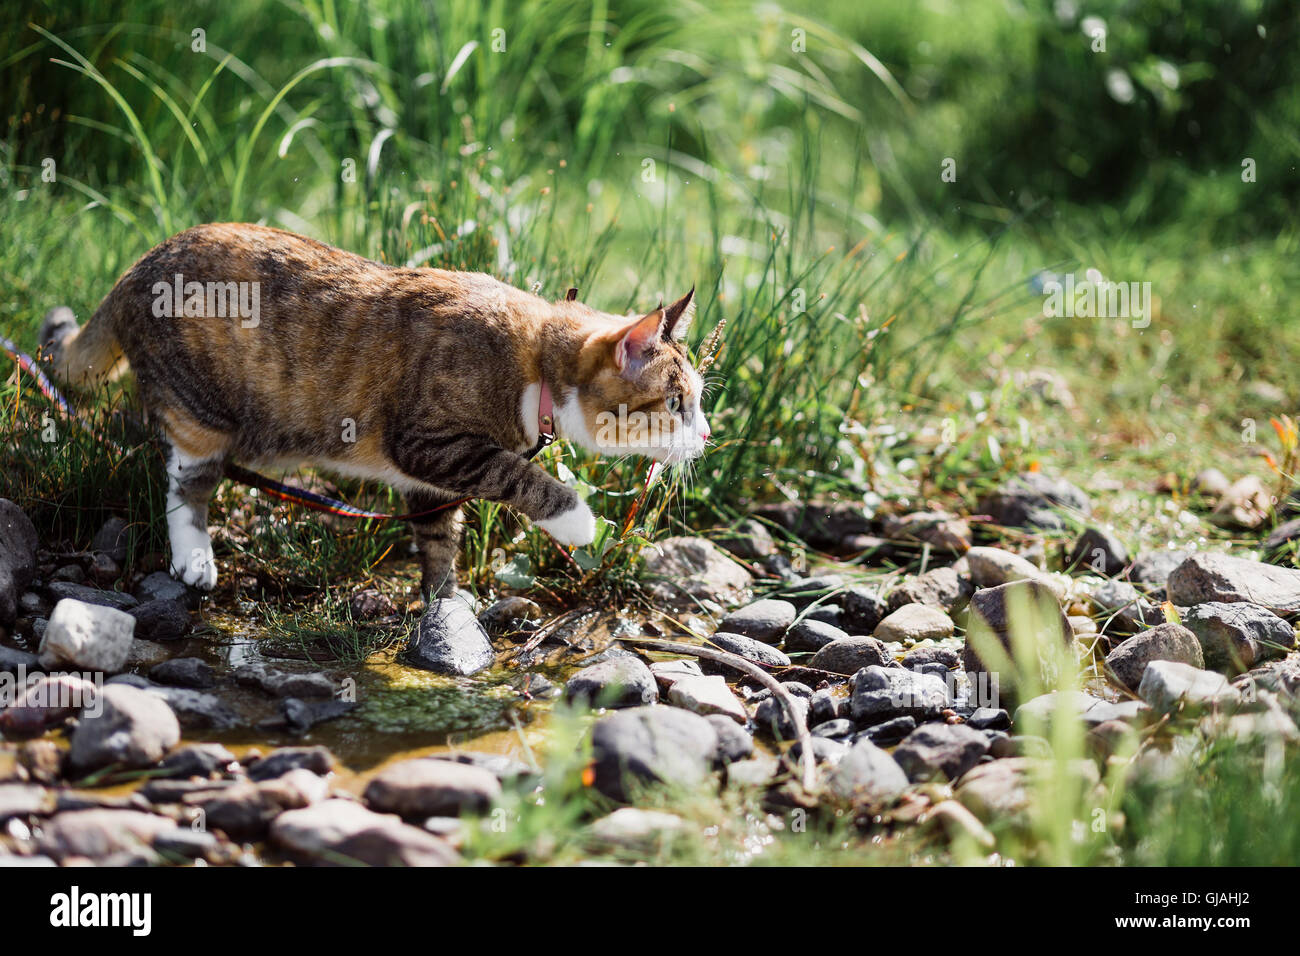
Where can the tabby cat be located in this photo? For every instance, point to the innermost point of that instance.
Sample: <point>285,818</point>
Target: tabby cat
<point>260,346</point>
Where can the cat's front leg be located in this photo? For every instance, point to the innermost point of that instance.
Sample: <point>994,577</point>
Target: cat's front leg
<point>470,464</point>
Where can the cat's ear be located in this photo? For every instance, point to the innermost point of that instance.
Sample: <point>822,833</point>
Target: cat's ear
<point>678,316</point>
<point>638,341</point>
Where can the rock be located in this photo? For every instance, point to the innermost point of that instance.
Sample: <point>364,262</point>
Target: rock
<point>651,745</point>
<point>1164,642</point>
<point>450,640</point>
<point>1283,543</point>
<point>61,590</point>
<point>45,702</point>
<point>749,540</point>
<point>764,620</point>
<point>243,810</point>
<point>939,587</point>
<point>197,760</point>
<point>146,654</point>
<point>880,694</point>
<point>805,592</point>
<point>161,586</point>
<point>667,673</point>
<point>941,531</point>
<point>337,832</point>
<point>636,829</point>
<point>1166,684</point>
<point>995,612</point>
<point>734,742</point>
<point>707,695</point>
<point>14,661</point>
<point>509,615</point>
<point>690,570</point>
<point>747,648</point>
<point>824,751</point>
<point>809,635</point>
<point>280,683</point>
<point>134,729</point>
<point>506,769</point>
<point>99,833</point>
<point>822,614</point>
<point>915,623</point>
<point>370,604</point>
<point>1032,500</point>
<point>161,620</point>
<point>24,800</point>
<point>617,682</point>
<point>772,719</point>
<point>989,718</point>
<point>87,637</point>
<point>836,728</point>
<point>299,716</point>
<point>1210,482</point>
<point>112,539</point>
<point>848,655</point>
<point>1045,708</point>
<point>990,567</point>
<point>999,791</point>
<point>1098,550</point>
<point>823,706</point>
<point>18,543</point>
<point>944,751</point>
<point>1123,609</point>
<point>863,610</point>
<point>184,672</point>
<point>196,710</point>
<point>1152,568</point>
<point>318,760</point>
<point>416,789</point>
<point>1236,637</point>
<point>867,774</point>
<point>186,844</point>
<point>1203,578</point>
<point>1245,504</point>
<point>929,654</point>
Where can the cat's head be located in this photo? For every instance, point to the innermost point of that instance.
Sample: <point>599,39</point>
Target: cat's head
<point>638,392</point>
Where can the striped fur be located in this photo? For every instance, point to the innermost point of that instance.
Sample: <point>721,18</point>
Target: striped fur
<point>422,378</point>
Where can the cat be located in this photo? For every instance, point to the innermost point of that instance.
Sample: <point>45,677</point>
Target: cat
<point>260,346</point>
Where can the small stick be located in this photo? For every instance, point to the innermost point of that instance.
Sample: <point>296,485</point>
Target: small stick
<point>806,761</point>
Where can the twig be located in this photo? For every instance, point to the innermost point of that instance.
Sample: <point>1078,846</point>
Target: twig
<point>806,760</point>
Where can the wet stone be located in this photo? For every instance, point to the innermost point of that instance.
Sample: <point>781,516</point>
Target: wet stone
<point>450,640</point>
<point>765,620</point>
<point>617,682</point>
<point>190,672</point>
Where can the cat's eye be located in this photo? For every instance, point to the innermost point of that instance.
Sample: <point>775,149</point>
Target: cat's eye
<point>674,404</point>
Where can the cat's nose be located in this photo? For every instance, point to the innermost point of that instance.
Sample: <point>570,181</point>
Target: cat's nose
<point>705,432</point>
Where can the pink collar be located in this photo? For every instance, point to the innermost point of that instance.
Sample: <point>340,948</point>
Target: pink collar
<point>545,413</point>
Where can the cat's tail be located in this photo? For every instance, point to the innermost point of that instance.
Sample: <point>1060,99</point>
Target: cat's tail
<point>81,355</point>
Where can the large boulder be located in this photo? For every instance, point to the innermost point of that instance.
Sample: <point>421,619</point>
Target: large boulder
<point>1203,578</point>
<point>647,745</point>
<point>88,637</point>
<point>1026,609</point>
<point>132,729</point>
<point>1235,637</point>
<point>450,640</point>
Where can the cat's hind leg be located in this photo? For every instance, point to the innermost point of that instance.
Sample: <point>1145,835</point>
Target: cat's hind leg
<point>437,538</point>
<point>194,468</point>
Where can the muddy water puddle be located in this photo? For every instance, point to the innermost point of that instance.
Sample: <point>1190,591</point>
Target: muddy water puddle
<point>402,711</point>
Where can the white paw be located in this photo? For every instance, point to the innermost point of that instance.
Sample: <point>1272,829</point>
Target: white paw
<point>577,526</point>
<point>198,571</point>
